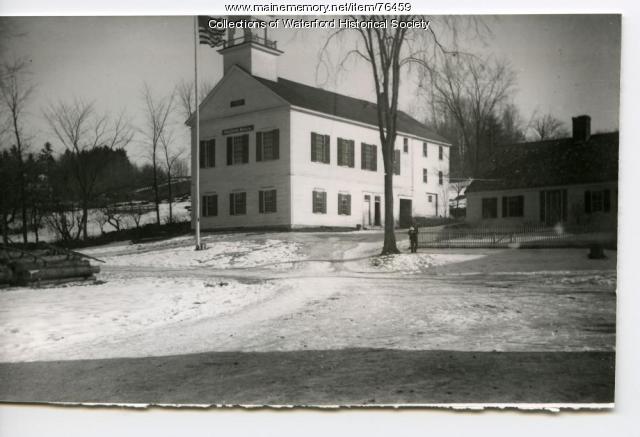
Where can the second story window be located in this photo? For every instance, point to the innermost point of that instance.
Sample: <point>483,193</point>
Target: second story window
<point>396,162</point>
<point>207,153</point>
<point>320,148</point>
<point>440,178</point>
<point>238,149</point>
<point>440,153</point>
<point>237,203</point>
<point>346,153</point>
<point>234,103</point>
<point>425,176</point>
<point>369,157</point>
<point>268,145</point>
<point>425,150</point>
<point>405,145</point>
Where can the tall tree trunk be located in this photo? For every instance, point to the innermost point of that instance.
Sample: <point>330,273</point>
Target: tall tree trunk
<point>5,228</point>
<point>389,245</point>
<point>170,197</point>
<point>155,190</point>
<point>85,219</point>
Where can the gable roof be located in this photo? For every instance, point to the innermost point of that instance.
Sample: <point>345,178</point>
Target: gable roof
<point>552,163</point>
<point>339,105</point>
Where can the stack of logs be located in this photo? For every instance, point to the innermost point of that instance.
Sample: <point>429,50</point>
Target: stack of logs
<point>43,266</point>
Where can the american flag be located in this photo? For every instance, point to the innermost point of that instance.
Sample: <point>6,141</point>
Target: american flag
<point>212,37</point>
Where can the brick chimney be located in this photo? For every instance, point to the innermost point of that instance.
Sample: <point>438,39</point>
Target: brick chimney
<point>581,128</point>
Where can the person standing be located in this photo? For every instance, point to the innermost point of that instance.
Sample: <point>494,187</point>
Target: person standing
<point>413,238</point>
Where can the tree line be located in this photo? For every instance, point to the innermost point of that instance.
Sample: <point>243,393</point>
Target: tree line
<point>90,176</point>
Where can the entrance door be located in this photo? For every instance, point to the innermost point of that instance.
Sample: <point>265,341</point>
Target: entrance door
<point>376,212</point>
<point>553,206</point>
<point>366,211</point>
<point>405,213</point>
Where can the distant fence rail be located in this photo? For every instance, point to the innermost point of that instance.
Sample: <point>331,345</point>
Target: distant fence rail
<point>525,236</point>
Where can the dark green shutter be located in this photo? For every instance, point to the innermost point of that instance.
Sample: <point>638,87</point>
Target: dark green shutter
<point>348,204</point>
<point>232,210</point>
<point>352,154</point>
<point>587,202</point>
<point>607,200</point>
<point>245,148</point>
<point>261,201</point>
<point>327,149</point>
<point>313,146</point>
<point>276,144</point>
<point>202,154</point>
<point>324,202</point>
<point>258,146</point>
<point>504,206</point>
<point>229,150</point>
<point>275,201</point>
<point>374,152</point>
<point>362,158</point>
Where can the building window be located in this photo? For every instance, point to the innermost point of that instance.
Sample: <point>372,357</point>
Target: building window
<point>405,145</point>
<point>238,149</point>
<point>239,102</point>
<point>430,198</point>
<point>267,145</point>
<point>425,176</point>
<point>489,208</point>
<point>346,153</point>
<point>267,201</point>
<point>320,148</point>
<point>440,152</point>
<point>425,150</point>
<point>440,178</point>
<point>344,204</point>
<point>319,202</point>
<point>513,206</point>
<point>396,162</point>
<point>210,205</point>
<point>369,157</point>
<point>553,206</point>
<point>597,201</point>
<point>237,203</point>
<point>207,153</point>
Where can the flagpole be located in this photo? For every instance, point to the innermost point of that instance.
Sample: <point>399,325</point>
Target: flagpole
<point>196,201</point>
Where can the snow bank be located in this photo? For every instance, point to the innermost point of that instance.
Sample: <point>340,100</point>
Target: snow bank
<point>414,262</point>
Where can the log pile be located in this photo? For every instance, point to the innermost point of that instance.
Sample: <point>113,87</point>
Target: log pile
<point>43,266</point>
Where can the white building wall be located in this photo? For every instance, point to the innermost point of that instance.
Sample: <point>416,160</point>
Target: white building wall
<point>307,176</point>
<point>264,111</point>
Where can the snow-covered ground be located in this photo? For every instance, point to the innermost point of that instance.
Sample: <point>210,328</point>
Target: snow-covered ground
<point>293,291</point>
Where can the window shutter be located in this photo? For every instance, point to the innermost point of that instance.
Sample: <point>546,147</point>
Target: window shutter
<point>232,209</point>
<point>313,146</point>
<point>275,198</point>
<point>352,153</point>
<point>607,200</point>
<point>504,206</point>
<point>276,144</point>
<point>542,207</point>
<point>261,201</point>
<point>564,206</point>
<point>362,156</point>
<point>348,204</point>
<point>212,153</point>
<point>229,150</point>
<point>258,146</point>
<point>202,154</point>
<point>327,149</point>
<point>323,196</point>
<point>245,148</point>
<point>374,151</point>
<point>587,202</point>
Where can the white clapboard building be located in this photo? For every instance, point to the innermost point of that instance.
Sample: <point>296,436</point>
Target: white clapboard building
<point>277,153</point>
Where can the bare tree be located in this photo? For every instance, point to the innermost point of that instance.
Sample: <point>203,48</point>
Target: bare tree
<point>156,124</point>
<point>387,50</point>
<point>547,127</point>
<point>186,96</point>
<point>471,89</point>
<point>82,130</point>
<point>171,161</point>
<point>15,91</point>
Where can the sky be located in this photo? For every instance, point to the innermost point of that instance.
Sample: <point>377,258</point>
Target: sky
<point>566,65</point>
